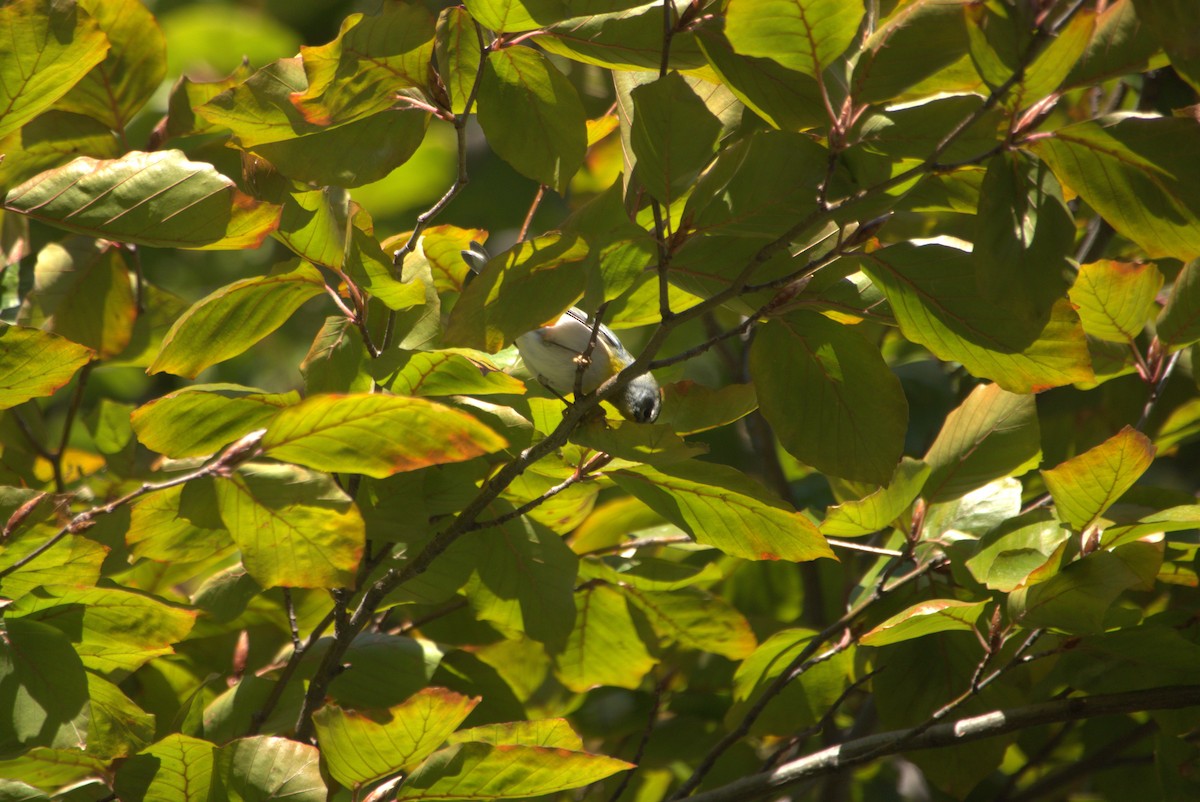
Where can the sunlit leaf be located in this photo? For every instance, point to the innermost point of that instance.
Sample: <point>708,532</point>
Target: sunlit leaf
<point>879,509</point>
<point>925,618</point>
<point>49,47</point>
<point>360,747</point>
<point>605,646</point>
<point>803,35</point>
<point>116,727</point>
<point>267,768</point>
<point>1086,485</point>
<point>161,529</point>
<point>294,530</point>
<point>624,39</point>
<point>458,54</point>
<point>56,358</point>
<point>787,99</point>
<point>721,507</point>
<point>1116,299</point>
<point>442,373</point>
<point>555,733</point>
<point>158,198</point>
<point>176,769</point>
<point>1171,21</point>
<point>693,619</point>
<point>72,560</point>
<point>234,318</point>
<point>201,419</point>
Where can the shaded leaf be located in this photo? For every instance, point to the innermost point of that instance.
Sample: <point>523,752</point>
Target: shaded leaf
<point>44,685</point>
<point>1085,486</point>
<point>116,726</point>
<point>360,747</point>
<point>625,39</point>
<point>1008,554</point>
<point>387,669</point>
<point>721,507</point>
<point>49,47</point>
<point>689,407</point>
<point>51,139</point>
<point>1178,324</point>
<point>605,647</point>
<point>879,509</point>
<point>374,434</point>
<point>694,619</point>
<point>458,53</point>
<point>1171,22</point>
<point>234,318</point>
<point>673,136</point>
<point>830,397</point>
<point>158,198</point>
<point>57,359</point>
<point>532,115</point>
<point>294,529</point>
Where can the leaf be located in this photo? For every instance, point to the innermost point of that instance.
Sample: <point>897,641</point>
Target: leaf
<point>374,434</point>
<point>1086,485</point>
<point>359,72</point>
<point>1178,324</point>
<point>112,629</point>
<point>689,408</point>
<point>158,198</point>
<point>442,373</point>
<point>116,726</point>
<point>605,646</point>
<point>73,560</point>
<point>935,298</point>
<point>925,618</point>
<point>554,733</point>
<point>136,63</point>
<point>532,116</point>
<point>1170,22</point>
<point>525,288</point>
<point>199,420</point>
<point>693,619</point>
<point>1006,556</point>
<point>160,528</point>
<point>457,53</point>
<point>483,771</point>
<point>52,139</point>
<point>53,768</point>
<point>802,35</point>
<point>623,39</point>
<point>49,47</point>
<point>387,670</point>
<point>83,291</point>
<point>994,433</point>
<point>673,136</point>
<point>334,362</point>
<point>57,359</point>
<point>1135,172</point>
<point>879,509</point>
<point>804,701</point>
<point>511,16</point>
<point>267,768</point>
<point>176,769</point>
<point>1116,299</point>
<point>831,398</point>
<point>721,507</point>
<point>294,529</point>
<point>1122,44</point>
<point>45,688</point>
<point>360,747</point>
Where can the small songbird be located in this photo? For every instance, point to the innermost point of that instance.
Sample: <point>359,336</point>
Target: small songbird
<point>553,354</point>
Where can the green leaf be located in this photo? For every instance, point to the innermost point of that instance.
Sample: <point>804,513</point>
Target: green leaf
<point>57,359</point>
<point>512,16</point>
<point>131,71</point>
<point>49,47</point>
<point>621,39</point>
<point>116,726</point>
<point>519,291</point>
<point>721,507</point>
<point>1007,555</point>
<point>1136,172</point>
<point>199,420</point>
<point>295,529</point>
<point>689,408</point>
<point>360,747</point>
<point>334,362</point>
<point>919,50</point>
<point>442,373</point>
<point>785,98</point>
<point>83,291</point>
<point>803,701</point>
<point>266,768</point>
<point>532,116</point>
<point>359,72</point>
<point>938,304</point>
<point>73,560</point>
<point>523,580</point>
<point>234,318</point>
<point>112,629</point>
<point>925,618</point>
<point>978,512</point>
<point>483,771</point>
<point>831,398</point>
<point>161,310</point>
<point>1086,485</point>
<point>44,686</point>
<point>880,509</point>
<point>1178,324</point>
<point>158,198</point>
<point>1171,23</point>
<point>994,433</point>
<point>160,529</point>
<point>693,619</point>
<point>1122,44</point>
<point>52,139</point>
<point>458,53</point>
<point>553,733</point>
<point>654,444</point>
<point>1077,599</point>
<point>260,109</point>
<point>605,647</point>
<point>186,95</point>
<point>176,769</point>
<point>802,35</point>
<point>387,670</point>
<point>673,136</point>
<point>377,435</point>
<point>1116,299</point>
<point>54,768</point>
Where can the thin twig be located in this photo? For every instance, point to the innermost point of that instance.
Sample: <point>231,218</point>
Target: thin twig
<point>263,713</point>
<point>60,485</point>
<point>585,358</point>
<point>852,546</point>
<point>291,616</point>
<point>660,690</point>
<point>1156,391</point>
<point>639,543</point>
<point>533,207</point>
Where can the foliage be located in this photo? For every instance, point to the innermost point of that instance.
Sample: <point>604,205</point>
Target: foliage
<point>921,280</point>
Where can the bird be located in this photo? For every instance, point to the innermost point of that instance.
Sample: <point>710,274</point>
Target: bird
<point>553,353</point>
